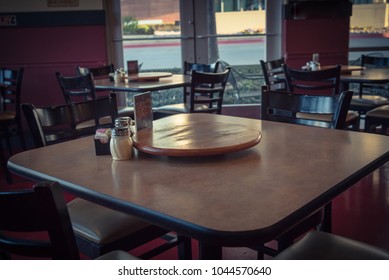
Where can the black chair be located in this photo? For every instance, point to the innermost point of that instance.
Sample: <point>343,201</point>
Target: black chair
<point>283,107</point>
<point>97,72</point>
<point>271,69</point>
<point>10,114</point>
<point>326,81</point>
<point>42,209</point>
<point>377,118</point>
<point>366,100</point>
<point>207,91</point>
<point>98,229</point>
<point>325,246</point>
<point>49,125</point>
<point>79,88</point>
<point>180,108</point>
<point>104,72</point>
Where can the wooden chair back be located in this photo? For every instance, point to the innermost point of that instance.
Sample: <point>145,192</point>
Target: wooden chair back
<point>286,106</point>
<point>270,70</point>
<point>77,88</point>
<point>10,113</point>
<point>42,209</point>
<point>208,89</point>
<point>11,87</point>
<point>49,125</point>
<point>326,81</point>
<point>199,67</point>
<point>97,72</point>
<point>374,61</point>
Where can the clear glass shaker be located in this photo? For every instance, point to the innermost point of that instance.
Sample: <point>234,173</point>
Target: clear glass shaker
<point>120,144</point>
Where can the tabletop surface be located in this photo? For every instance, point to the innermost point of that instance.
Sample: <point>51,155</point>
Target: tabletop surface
<point>195,135</point>
<point>355,75</point>
<point>367,76</point>
<point>345,69</point>
<point>172,81</point>
<point>148,76</point>
<point>239,198</point>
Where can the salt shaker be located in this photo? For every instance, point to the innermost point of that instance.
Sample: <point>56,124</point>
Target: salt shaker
<point>121,144</point>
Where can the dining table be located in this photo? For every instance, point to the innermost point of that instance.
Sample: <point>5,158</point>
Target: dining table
<point>371,76</point>
<point>233,197</point>
<point>146,82</point>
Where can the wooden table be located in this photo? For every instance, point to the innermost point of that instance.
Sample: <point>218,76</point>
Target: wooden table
<point>355,75</point>
<point>238,199</point>
<point>173,81</point>
<point>345,69</point>
<point>377,76</point>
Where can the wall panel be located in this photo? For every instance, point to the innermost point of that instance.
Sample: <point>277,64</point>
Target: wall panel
<point>46,43</point>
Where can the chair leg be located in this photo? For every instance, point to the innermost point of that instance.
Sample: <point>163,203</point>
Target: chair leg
<point>3,162</point>
<point>384,129</point>
<point>284,243</point>
<point>8,143</point>
<point>21,135</point>
<point>184,248</point>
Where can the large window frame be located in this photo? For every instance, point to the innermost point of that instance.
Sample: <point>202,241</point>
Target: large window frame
<point>194,48</point>
<point>196,37</point>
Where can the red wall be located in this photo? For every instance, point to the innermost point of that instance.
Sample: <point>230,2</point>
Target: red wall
<point>328,37</point>
<point>44,50</point>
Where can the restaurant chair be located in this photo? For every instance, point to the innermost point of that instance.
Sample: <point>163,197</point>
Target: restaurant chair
<point>271,69</point>
<point>35,223</point>
<point>97,72</point>
<point>207,89</point>
<point>103,72</point>
<point>181,108</point>
<point>326,81</point>
<point>366,100</point>
<point>98,229</point>
<point>377,118</point>
<point>79,88</point>
<point>291,104</point>
<point>283,106</point>
<point>10,114</point>
<point>318,245</point>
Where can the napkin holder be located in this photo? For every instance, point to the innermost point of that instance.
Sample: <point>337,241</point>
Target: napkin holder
<point>102,143</point>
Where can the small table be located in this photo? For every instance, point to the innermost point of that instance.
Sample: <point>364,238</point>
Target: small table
<point>242,199</point>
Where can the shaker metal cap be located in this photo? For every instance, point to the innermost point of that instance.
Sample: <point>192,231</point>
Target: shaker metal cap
<point>122,122</point>
<point>120,131</point>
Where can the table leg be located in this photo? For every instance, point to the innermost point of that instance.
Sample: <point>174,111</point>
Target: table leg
<point>327,220</point>
<point>210,252</point>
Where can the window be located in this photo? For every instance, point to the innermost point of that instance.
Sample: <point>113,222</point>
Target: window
<point>369,32</point>
<point>163,34</point>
